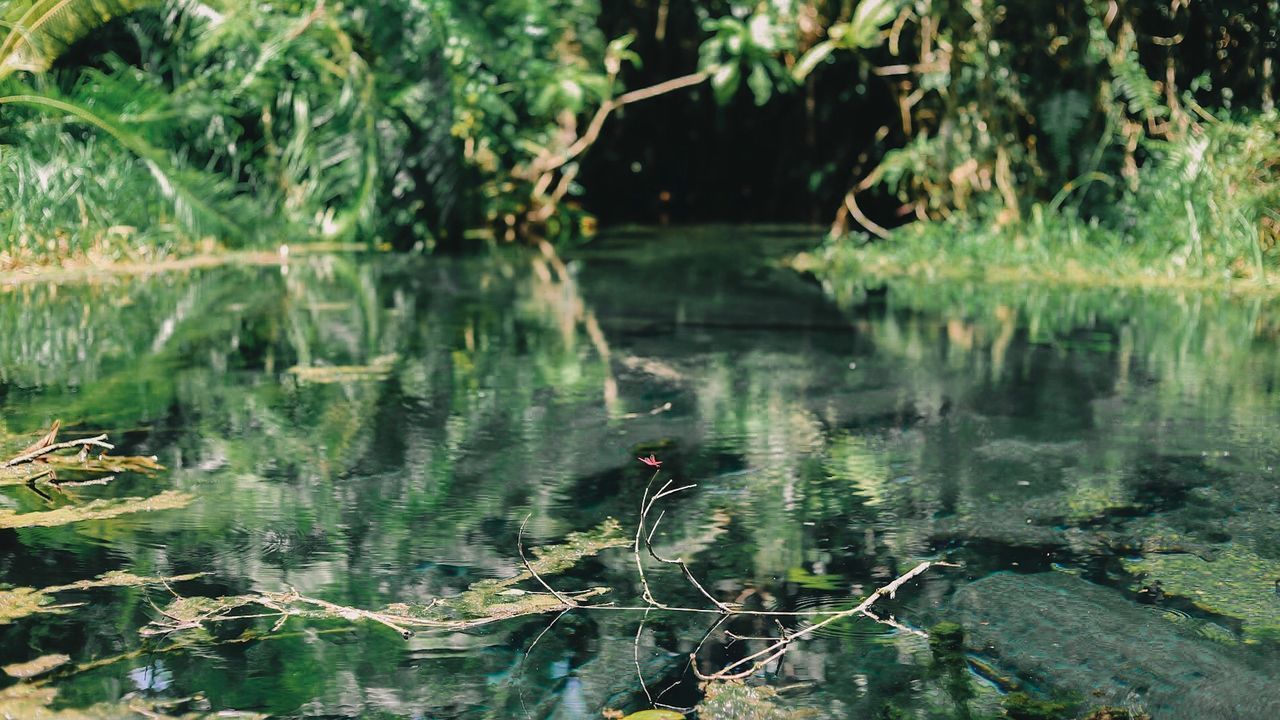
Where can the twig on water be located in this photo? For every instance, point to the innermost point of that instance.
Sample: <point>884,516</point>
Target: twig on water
<point>762,658</point>
<point>483,607</point>
<point>520,547</point>
<point>646,506</point>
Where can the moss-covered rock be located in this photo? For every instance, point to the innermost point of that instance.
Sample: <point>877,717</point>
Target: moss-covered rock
<point>1236,582</point>
<point>1021,706</point>
<point>1061,632</point>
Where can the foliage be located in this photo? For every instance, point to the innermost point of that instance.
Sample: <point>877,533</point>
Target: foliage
<point>1202,212</point>
<point>138,127</point>
<point>37,31</point>
<point>1086,121</point>
<point>402,119</point>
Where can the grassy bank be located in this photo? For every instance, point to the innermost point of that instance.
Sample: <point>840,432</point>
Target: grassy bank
<point>959,252</point>
<point>1202,212</point>
<point>93,267</point>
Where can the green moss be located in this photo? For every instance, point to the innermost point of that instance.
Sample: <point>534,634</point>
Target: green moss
<point>946,638</point>
<point>101,509</point>
<point>737,701</point>
<point>1021,706</point>
<point>1236,582</point>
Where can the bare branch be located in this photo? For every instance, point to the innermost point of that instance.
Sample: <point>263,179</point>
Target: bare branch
<point>39,452</point>
<point>779,647</point>
<point>520,546</point>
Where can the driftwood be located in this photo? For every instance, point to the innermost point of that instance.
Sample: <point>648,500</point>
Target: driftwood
<point>42,459</point>
<point>38,465</point>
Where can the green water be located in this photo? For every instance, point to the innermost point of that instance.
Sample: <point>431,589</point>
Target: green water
<point>836,437</point>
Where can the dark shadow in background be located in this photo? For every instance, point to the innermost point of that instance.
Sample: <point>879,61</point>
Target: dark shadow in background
<point>684,158</point>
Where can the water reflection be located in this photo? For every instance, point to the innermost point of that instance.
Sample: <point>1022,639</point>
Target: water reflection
<point>1115,439</point>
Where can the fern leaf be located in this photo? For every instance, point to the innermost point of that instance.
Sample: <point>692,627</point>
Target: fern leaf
<point>1061,117</point>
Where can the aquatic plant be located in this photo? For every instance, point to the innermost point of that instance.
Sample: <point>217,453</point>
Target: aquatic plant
<point>20,602</point>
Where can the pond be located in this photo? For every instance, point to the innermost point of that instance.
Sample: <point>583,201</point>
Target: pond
<point>373,430</point>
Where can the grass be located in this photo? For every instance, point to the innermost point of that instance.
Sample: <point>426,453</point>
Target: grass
<point>945,252</point>
<point>1203,213</point>
<point>89,268</point>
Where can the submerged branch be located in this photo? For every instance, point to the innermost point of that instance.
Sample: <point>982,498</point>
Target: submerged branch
<point>42,457</point>
<point>761,658</point>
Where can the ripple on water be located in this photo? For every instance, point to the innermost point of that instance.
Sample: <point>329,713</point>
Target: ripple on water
<point>1199,626</point>
<point>859,628</point>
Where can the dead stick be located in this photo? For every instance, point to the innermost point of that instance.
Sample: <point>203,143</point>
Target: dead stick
<point>776,650</point>
<point>26,457</point>
<point>520,546</point>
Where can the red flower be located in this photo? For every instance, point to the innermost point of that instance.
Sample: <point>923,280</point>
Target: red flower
<point>651,461</point>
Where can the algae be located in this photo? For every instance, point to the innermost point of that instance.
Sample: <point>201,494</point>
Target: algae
<point>489,597</point>
<point>377,369</point>
<point>1021,706</point>
<point>17,603</point>
<point>738,701</point>
<point>101,509</point>
<point>1114,713</point>
<point>484,602</point>
<point>39,666</point>
<point>145,464</point>
<point>49,465</point>
<point>1236,582</point>
<point>33,702</point>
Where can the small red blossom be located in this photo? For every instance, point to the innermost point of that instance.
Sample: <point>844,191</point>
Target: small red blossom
<point>651,461</point>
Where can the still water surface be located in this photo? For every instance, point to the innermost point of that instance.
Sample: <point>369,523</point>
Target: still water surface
<point>1105,465</point>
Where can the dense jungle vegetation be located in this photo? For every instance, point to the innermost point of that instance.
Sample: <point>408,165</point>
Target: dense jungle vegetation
<point>1104,134</point>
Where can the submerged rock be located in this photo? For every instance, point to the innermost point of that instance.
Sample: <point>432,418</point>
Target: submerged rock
<point>1071,635</point>
<point>1235,582</point>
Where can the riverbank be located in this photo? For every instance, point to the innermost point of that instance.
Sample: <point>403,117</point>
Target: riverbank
<point>85,269</point>
<point>1005,257</point>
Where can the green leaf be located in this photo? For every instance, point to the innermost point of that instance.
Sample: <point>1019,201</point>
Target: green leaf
<point>725,81</point>
<point>189,190</point>
<point>655,715</point>
<point>812,58</point>
<point>760,84</point>
<point>868,19</point>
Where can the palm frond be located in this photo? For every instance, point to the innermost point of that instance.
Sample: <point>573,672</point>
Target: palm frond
<point>37,31</point>
<point>198,198</point>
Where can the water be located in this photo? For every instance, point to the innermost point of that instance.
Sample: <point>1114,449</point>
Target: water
<point>1094,440</point>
